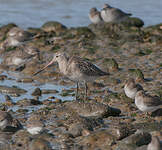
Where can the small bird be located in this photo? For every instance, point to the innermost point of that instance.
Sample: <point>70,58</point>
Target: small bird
<point>131,88</point>
<point>111,14</point>
<point>76,69</point>
<point>155,144</point>
<point>35,126</point>
<point>15,37</point>
<point>5,119</point>
<point>95,16</point>
<point>147,103</point>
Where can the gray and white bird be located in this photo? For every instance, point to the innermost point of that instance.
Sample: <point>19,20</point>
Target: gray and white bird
<point>155,144</point>
<point>76,69</point>
<point>15,37</point>
<point>147,103</point>
<point>95,16</point>
<point>111,14</point>
<point>131,88</point>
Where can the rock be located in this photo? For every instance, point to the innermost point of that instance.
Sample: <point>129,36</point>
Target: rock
<point>98,140</point>
<point>134,141</point>
<point>5,141</point>
<point>9,101</point>
<point>132,21</point>
<point>37,92</point>
<point>82,32</point>
<point>11,90</point>
<point>21,140</point>
<point>53,26</point>
<point>28,102</point>
<point>121,131</point>
<point>138,74</point>
<point>3,77</point>
<point>25,80</point>
<point>48,91</point>
<point>76,129</point>
<point>40,144</point>
<point>112,64</point>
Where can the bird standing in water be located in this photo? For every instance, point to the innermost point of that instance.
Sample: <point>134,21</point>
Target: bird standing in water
<point>76,69</point>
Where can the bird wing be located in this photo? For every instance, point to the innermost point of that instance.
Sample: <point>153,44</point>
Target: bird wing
<point>152,101</point>
<point>86,67</point>
<point>139,87</point>
<point>119,13</point>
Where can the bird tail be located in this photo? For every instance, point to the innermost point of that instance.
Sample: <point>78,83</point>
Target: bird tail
<point>104,73</point>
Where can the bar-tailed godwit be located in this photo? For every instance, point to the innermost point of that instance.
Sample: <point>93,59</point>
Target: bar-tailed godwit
<point>76,69</point>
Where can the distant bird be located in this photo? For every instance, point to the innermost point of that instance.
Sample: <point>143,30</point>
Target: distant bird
<point>95,16</point>
<point>131,88</point>
<point>155,144</point>
<point>147,103</point>
<point>15,37</point>
<point>111,14</point>
<point>17,58</point>
<point>76,69</point>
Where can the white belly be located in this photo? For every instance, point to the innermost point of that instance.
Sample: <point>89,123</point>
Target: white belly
<point>106,16</point>
<point>34,130</point>
<point>130,93</point>
<point>143,107</point>
<point>17,61</point>
<point>95,19</point>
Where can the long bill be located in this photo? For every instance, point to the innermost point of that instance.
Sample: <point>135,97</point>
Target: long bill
<point>50,63</point>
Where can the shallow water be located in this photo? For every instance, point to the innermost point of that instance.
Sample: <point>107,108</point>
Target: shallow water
<point>33,13</point>
<point>11,80</point>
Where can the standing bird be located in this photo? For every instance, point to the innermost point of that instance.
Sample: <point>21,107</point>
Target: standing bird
<point>131,88</point>
<point>76,69</point>
<point>95,16</point>
<point>147,103</point>
<point>155,144</point>
<point>111,14</point>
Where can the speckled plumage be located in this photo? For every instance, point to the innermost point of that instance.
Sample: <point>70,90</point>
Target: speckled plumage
<point>76,69</point>
<point>147,103</point>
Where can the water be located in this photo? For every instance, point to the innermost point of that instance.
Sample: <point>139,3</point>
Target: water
<point>11,80</point>
<point>33,13</point>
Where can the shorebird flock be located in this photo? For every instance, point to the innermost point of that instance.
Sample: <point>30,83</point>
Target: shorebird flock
<point>80,70</point>
<point>107,14</point>
<point>143,101</point>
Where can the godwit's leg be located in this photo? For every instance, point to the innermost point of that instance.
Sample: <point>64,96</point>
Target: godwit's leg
<point>76,95</point>
<point>86,89</point>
